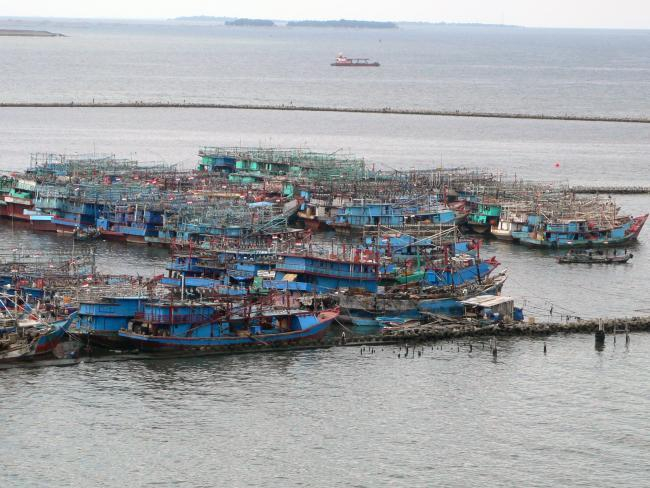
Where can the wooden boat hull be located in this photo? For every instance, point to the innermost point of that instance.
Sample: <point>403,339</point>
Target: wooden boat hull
<point>110,235</point>
<point>40,346</point>
<point>16,212</point>
<point>316,225</point>
<point>595,259</point>
<point>232,343</point>
<point>158,241</point>
<point>578,243</point>
<point>347,229</point>
<point>133,239</point>
<point>502,235</point>
<point>48,342</point>
<point>479,228</point>
<point>63,229</point>
<point>108,340</point>
<point>632,232</point>
<point>43,226</point>
<point>365,309</point>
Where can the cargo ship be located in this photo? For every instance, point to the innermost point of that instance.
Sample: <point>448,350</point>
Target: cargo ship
<point>345,61</point>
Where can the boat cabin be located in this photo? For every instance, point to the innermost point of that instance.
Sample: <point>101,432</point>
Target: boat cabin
<point>492,308</point>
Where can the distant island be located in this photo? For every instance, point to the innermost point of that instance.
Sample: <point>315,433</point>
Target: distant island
<point>28,33</point>
<point>341,23</point>
<point>251,22</point>
<point>357,24</point>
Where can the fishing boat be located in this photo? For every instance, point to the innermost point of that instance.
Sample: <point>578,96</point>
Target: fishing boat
<point>111,235</point>
<point>31,339</point>
<point>355,217</point>
<point>485,217</point>
<point>99,321</point>
<point>590,256</point>
<point>314,273</point>
<point>314,217</point>
<point>355,62</point>
<point>360,217</point>
<point>202,326</point>
<point>479,311</point>
<point>573,233</point>
<point>365,309</point>
<point>512,218</point>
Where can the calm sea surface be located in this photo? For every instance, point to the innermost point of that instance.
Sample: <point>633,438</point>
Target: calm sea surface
<point>575,417</point>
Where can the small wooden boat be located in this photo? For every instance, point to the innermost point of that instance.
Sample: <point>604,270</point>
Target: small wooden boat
<point>595,257</point>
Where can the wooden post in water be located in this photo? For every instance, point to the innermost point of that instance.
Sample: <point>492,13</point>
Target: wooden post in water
<point>600,335</point>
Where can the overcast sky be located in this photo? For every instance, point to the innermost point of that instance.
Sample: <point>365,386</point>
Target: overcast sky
<point>547,13</point>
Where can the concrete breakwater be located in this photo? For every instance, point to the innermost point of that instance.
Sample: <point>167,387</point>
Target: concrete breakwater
<point>307,108</point>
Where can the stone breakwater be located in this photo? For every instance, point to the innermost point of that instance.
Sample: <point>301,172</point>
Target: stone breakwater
<point>307,108</point>
<point>28,33</point>
<point>618,190</point>
<point>424,333</point>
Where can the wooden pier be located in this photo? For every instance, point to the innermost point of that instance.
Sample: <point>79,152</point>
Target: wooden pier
<point>308,108</point>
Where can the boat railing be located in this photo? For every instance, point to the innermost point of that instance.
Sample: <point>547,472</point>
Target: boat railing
<point>334,272</point>
<point>178,318</point>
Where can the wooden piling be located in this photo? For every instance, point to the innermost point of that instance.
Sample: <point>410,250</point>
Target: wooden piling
<point>600,334</point>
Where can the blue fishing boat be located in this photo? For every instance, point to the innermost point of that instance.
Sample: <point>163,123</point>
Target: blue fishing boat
<point>414,219</point>
<point>32,339</point>
<point>581,233</point>
<point>401,246</point>
<point>365,309</point>
<point>98,322</point>
<point>486,216</point>
<point>325,274</point>
<point>206,327</point>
